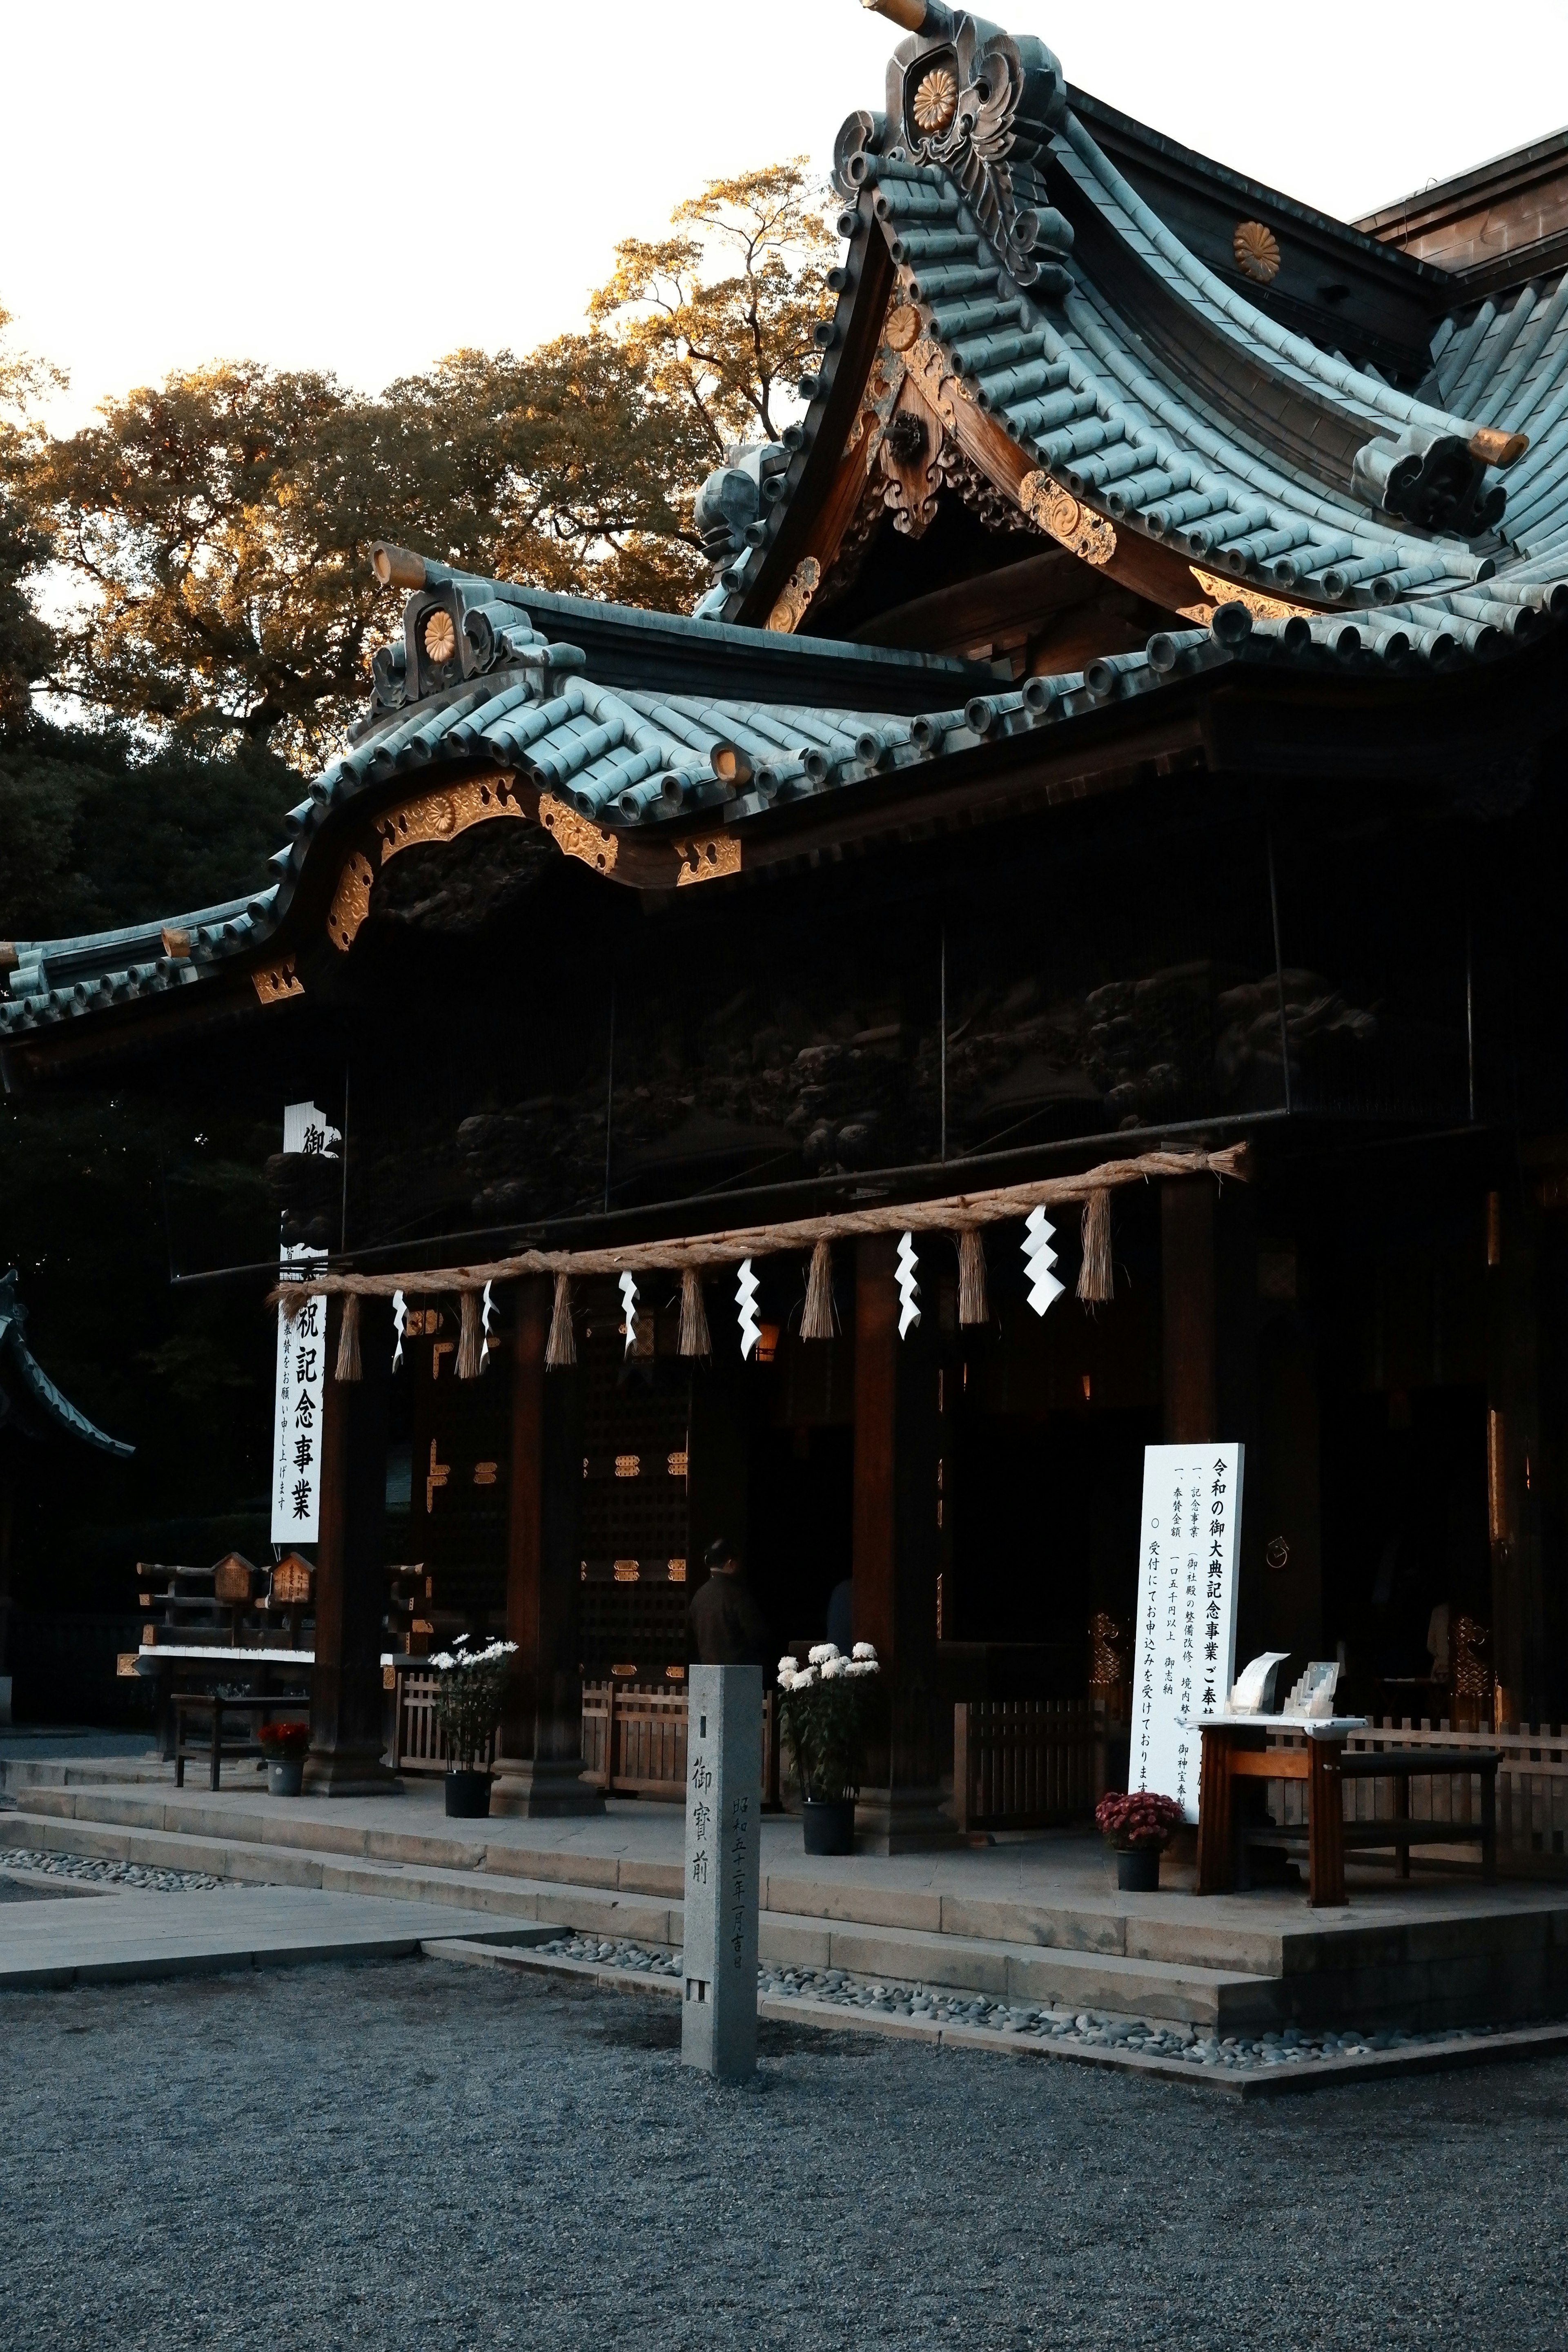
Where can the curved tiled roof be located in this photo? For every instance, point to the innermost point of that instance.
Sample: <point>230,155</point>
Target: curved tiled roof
<point>1124,367</point>
<point>1361,530</point>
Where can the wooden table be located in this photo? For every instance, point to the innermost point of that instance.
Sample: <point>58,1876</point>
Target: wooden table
<point>1235,1748</point>
<point>188,1703</point>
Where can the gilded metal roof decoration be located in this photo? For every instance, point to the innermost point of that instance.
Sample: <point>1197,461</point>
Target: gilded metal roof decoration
<point>789,610</point>
<point>1257,251</point>
<point>441,816</point>
<point>709,859</point>
<point>1072,524</point>
<point>575,837</point>
<point>273,982</point>
<point>351,902</point>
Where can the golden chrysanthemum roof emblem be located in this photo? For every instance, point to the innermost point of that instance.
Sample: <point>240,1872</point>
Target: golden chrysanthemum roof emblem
<point>936,101</point>
<point>440,637</point>
<point>1257,251</point>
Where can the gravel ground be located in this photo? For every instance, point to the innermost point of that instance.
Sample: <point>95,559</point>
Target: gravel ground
<point>416,2153</point>
<point>93,1870</point>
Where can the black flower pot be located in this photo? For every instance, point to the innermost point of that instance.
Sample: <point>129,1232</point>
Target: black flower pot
<point>1138,1869</point>
<point>829,1824</point>
<point>467,1795</point>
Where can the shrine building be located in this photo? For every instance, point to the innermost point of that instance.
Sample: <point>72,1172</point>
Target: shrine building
<point>1117,771</point>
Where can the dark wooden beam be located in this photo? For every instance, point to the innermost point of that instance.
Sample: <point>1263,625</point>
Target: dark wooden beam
<point>1187,1288</point>
<point>346,1705</point>
<point>538,1768</point>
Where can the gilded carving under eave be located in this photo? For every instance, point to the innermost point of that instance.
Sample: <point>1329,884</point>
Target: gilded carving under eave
<point>577,836</point>
<point>1232,591</point>
<point>798,590</point>
<point>708,859</point>
<point>351,902</point>
<point>1068,521</point>
<point>274,982</point>
<point>441,816</point>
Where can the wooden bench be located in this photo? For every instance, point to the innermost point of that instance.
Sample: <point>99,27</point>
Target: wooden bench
<point>207,1705</point>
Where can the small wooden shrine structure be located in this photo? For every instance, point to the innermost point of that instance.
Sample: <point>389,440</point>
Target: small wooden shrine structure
<point>1115,773</point>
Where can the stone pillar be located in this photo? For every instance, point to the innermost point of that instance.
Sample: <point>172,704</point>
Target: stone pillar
<point>723,1841</point>
<point>346,1729</point>
<point>895,1558</point>
<point>539,1761</point>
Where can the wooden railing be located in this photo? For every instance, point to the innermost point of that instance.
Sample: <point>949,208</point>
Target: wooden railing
<point>1531,1788</point>
<point>634,1741</point>
<point>420,1746</point>
<point>1026,1763</point>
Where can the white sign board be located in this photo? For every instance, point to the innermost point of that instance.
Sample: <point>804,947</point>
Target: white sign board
<point>297,1421</point>
<point>1185,1655</point>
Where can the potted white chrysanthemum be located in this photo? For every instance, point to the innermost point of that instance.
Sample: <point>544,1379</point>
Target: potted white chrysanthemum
<point>822,1712</point>
<point>468,1690</point>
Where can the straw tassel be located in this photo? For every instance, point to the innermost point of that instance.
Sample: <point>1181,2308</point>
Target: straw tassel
<point>560,1347</point>
<point>1095,1278</point>
<point>347,1366</point>
<point>468,1337</point>
<point>694,1340</point>
<point>817,1323</point>
<point>972,1304</point>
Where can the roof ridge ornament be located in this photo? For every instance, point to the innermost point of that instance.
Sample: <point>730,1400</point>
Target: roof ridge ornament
<point>968,98</point>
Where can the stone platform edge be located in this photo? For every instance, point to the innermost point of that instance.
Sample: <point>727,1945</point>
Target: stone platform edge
<point>1313,2074</point>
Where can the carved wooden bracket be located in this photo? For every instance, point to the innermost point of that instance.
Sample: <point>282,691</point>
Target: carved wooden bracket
<point>578,836</point>
<point>274,981</point>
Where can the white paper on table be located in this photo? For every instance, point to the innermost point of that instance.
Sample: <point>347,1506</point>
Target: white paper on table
<point>1246,1697</point>
<point>1185,1652</point>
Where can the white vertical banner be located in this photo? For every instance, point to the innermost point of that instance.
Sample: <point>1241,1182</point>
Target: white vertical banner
<point>300,1397</point>
<point>1184,1661</point>
<point>298,1392</point>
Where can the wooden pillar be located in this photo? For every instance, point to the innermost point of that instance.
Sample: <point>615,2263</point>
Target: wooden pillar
<point>539,1761</point>
<point>895,1554</point>
<point>346,1736</point>
<point>1187,1290</point>
<point>876,1431</point>
<point>1513,1455</point>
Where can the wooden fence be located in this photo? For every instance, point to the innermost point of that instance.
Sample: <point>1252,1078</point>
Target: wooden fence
<point>419,1745</point>
<point>634,1741</point>
<point>1531,1788</point>
<point>1026,1763</point>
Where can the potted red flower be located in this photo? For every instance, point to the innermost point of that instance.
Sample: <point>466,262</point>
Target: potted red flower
<point>284,1745</point>
<point>1138,1825</point>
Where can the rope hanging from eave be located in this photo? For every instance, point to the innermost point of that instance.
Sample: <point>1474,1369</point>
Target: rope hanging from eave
<point>959,1214</point>
<point>694,1338</point>
<point>816,1321</point>
<point>972,1304</point>
<point>469,1365</point>
<point>1096,1279</point>
<point>560,1347</point>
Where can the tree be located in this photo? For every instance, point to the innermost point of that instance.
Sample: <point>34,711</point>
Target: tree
<point>205,519</point>
<point>219,526</point>
<point>728,346</point>
<point>27,644</point>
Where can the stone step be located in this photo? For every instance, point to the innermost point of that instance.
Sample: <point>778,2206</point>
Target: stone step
<point>19,1775</point>
<point>1019,1972</point>
<point>1146,1933</point>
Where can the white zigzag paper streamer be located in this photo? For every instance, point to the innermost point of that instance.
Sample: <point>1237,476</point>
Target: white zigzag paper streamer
<point>909,1288</point>
<point>1038,1259</point>
<point>746,1300</point>
<point>630,1307</point>
<point>488,1312</point>
<point>399,1318</point>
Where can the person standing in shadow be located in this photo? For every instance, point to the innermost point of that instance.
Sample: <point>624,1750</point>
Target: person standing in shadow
<point>725,1626</point>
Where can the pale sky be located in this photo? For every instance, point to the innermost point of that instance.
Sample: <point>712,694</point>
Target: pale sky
<point>364,187</point>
